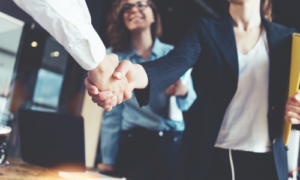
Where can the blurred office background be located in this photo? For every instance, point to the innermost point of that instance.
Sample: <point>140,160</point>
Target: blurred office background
<point>37,73</point>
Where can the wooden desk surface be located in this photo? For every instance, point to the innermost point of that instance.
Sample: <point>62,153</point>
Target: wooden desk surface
<point>19,170</point>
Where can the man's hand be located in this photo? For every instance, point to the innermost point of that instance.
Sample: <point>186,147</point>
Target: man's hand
<point>104,99</point>
<point>102,78</point>
<point>177,89</point>
<point>292,113</point>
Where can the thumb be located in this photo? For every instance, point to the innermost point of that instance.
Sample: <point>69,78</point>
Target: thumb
<point>122,69</point>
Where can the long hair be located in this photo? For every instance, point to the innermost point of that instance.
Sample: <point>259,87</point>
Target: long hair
<point>266,9</point>
<point>117,31</point>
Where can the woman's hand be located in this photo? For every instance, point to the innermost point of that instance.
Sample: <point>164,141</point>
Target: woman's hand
<point>177,89</point>
<point>292,113</point>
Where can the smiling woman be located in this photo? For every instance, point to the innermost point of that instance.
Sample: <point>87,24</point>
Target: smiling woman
<point>119,18</point>
<point>143,143</point>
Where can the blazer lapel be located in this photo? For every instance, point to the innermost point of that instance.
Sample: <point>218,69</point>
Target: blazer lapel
<point>273,40</point>
<point>221,31</point>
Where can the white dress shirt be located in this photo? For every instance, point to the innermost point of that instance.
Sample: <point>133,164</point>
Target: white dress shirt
<point>245,124</point>
<point>69,22</point>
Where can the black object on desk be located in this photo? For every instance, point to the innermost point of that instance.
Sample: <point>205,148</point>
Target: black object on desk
<point>49,139</point>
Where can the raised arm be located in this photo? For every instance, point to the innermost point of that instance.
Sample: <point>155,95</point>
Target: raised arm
<point>156,76</point>
<point>69,22</point>
<point>153,77</point>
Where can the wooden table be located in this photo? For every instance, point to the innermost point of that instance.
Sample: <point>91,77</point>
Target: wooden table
<point>19,170</point>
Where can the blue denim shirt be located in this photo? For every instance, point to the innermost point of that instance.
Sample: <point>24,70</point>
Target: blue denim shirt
<point>129,115</point>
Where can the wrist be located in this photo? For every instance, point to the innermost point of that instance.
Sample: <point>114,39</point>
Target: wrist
<point>183,92</point>
<point>101,66</point>
<point>141,81</point>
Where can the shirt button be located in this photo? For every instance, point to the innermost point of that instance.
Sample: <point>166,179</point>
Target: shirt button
<point>161,133</point>
<point>175,139</point>
<point>273,107</point>
<point>274,141</point>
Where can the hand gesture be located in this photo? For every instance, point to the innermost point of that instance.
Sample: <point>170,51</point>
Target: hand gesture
<point>292,113</point>
<point>135,76</point>
<point>177,89</point>
<point>102,78</point>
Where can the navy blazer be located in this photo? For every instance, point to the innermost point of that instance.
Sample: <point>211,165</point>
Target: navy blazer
<point>209,47</point>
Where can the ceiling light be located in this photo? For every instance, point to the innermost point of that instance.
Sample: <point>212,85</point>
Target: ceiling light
<point>34,44</point>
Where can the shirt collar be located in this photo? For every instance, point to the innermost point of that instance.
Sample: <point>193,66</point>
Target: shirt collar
<point>156,50</point>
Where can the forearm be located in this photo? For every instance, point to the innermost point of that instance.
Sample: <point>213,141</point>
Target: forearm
<point>69,22</point>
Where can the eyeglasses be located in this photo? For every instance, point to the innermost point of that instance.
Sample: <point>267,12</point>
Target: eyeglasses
<point>141,5</point>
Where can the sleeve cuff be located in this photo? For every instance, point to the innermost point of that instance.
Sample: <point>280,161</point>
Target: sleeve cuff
<point>143,95</point>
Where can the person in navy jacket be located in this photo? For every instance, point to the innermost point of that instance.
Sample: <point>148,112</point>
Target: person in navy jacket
<point>241,66</point>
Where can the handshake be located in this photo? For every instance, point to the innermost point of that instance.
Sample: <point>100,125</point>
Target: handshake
<point>112,82</point>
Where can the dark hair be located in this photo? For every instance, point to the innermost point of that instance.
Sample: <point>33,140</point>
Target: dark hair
<point>266,9</point>
<point>117,31</point>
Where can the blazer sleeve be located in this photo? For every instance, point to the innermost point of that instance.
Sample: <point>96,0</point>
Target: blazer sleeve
<point>165,71</point>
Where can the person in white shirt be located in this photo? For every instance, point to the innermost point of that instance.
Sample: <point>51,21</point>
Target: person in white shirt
<point>241,66</point>
<point>69,22</point>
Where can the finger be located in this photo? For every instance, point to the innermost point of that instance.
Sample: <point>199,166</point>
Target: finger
<point>120,98</point>
<point>90,87</point>
<point>295,100</point>
<point>113,100</point>
<point>292,120</point>
<point>109,109</point>
<point>291,114</point>
<point>106,106</point>
<point>127,94</point>
<point>122,69</point>
<point>295,109</point>
<point>104,95</point>
<point>101,96</point>
<point>102,103</point>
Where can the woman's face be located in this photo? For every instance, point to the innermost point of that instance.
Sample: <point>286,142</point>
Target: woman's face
<point>137,19</point>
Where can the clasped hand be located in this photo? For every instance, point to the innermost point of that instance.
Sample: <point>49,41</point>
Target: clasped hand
<point>112,82</point>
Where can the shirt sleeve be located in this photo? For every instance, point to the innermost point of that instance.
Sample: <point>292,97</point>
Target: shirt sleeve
<point>69,22</point>
<point>110,134</point>
<point>185,103</point>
